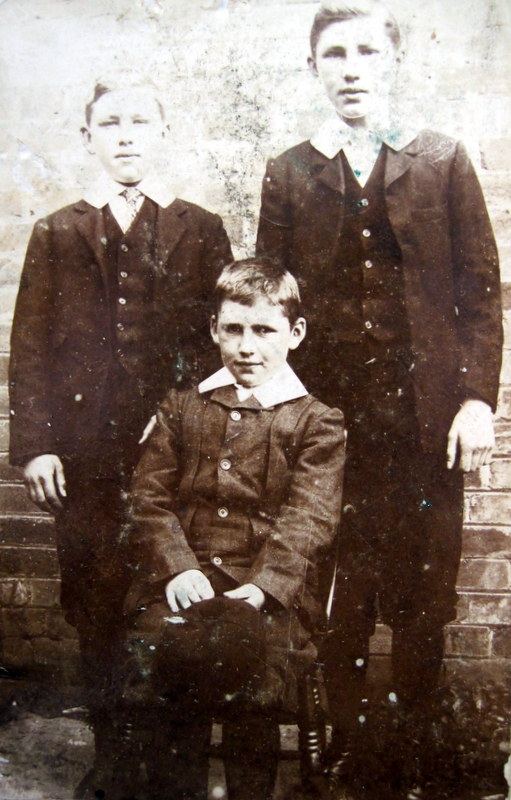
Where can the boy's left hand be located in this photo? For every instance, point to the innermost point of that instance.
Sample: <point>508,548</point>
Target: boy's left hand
<point>471,437</point>
<point>250,593</point>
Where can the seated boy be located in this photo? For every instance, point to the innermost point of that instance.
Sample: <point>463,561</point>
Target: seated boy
<point>235,500</point>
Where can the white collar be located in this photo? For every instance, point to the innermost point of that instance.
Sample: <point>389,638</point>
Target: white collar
<point>280,388</point>
<point>334,135</point>
<point>106,189</point>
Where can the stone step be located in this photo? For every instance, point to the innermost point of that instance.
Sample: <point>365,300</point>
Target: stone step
<point>22,531</point>
<point>483,506</point>
<point>487,540</point>
<point>15,500</point>
<point>28,562</point>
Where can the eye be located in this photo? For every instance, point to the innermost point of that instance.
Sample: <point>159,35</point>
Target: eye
<point>108,123</point>
<point>232,329</point>
<point>366,50</point>
<point>263,330</point>
<point>335,52</point>
<point>140,121</point>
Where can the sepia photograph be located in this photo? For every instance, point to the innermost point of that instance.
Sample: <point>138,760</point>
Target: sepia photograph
<point>255,400</point>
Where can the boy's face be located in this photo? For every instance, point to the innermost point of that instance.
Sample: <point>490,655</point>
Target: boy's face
<point>254,340</point>
<point>125,132</point>
<point>356,63</point>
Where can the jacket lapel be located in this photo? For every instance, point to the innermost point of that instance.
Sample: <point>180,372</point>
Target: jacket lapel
<point>399,162</point>
<point>329,171</point>
<point>170,228</point>
<point>92,227</point>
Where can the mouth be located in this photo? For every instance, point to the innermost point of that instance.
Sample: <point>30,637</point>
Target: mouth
<point>351,93</point>
<point>248,364</point>
<point>123,156</point>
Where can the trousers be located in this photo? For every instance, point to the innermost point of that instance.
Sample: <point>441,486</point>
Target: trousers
<point>398,555</point>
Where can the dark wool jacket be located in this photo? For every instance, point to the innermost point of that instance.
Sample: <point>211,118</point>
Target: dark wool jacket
<point>62,346</point>
<point>450,266</point>
<point>276,540</point>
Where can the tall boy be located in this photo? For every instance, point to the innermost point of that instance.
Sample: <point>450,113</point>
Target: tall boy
<point>235,500</point>
<point>108,317</point>
<point>389,236</point>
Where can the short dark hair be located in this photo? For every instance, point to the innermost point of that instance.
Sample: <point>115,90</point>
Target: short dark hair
<point>247,280</point>
<point>121,80</point>
<point>332,11</point>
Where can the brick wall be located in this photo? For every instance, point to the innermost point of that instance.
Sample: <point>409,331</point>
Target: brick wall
<point>237,90</point>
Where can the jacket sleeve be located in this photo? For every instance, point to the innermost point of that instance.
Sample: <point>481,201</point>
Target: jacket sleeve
<point>31,431</point>
<point>274,233</point>
<point>308,517</point>
<point>197,356</point>
<point>477,284</point>
<point>158,548</point>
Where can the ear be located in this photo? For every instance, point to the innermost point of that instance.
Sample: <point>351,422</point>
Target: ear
<point>213,328</point>
<point>298,331</point>
<point>87,140</point>
<point>311,63</point>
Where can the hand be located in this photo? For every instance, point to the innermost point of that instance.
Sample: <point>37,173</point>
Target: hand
<point>45,482</point>
<point>188,587</point>
<point>471,436</point>
<point>249,592</point>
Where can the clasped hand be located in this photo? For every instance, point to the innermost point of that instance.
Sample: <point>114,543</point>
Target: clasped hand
<point>471,438</point>
<point>192,586</point>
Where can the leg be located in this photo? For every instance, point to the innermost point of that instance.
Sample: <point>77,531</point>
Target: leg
<point>94,582</point>
<point>252,752</point>
<point>420,600</point>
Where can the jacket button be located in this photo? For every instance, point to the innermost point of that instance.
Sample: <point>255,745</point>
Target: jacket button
<point>225,463</point>
<point>368,325</point>
<point>236,416</point>
<point>364,202</point>
<point>223,512</point>
<point>366,232</point>
<point>368,263</point>
<point>124,248</point>
<point>124,274</point>
<point>78,398</point>
<point>120,326</point>
<point>216,560</point>
<point>122,301</point>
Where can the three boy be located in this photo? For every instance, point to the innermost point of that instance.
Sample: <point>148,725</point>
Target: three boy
<point>235,501</point>
<point>388,234</point>
<point>111,313</point>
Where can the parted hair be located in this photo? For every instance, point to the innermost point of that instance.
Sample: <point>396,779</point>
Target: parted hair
<point>331,11</point>
<point>252,278</point>
<point>121,80</point>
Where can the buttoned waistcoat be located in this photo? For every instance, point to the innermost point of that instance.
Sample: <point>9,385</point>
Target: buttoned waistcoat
<point>62,347</point>
<point>449,259</point>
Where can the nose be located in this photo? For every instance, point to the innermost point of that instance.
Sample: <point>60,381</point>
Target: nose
<point>352,68</point>
<point>125,134</point>
<point>247,343</point>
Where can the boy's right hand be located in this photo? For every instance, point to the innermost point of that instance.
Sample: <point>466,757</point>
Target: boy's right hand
<point>45,482</point>
<point>188,587</point>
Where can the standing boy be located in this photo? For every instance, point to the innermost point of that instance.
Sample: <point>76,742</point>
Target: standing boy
<point>109,315</point>
<point>236,498</point>
<point>389,236</point>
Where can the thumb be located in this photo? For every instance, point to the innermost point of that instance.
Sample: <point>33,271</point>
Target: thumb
<point>452,447</point>
<point>60,478</point>
<point>237,594</point>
